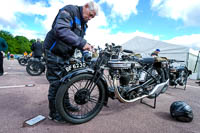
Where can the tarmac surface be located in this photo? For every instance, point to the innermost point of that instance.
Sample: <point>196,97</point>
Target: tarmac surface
<point>19,103</point>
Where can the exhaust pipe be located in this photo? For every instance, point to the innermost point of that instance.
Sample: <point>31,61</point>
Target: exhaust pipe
<point>159,87</point>
<point>156,90</point>
<point>120,98</point>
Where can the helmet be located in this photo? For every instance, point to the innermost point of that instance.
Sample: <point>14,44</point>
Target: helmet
<point>181,111</point>
<point>158,50</point>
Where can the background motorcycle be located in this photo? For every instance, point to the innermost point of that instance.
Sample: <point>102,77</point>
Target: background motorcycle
<point>36,66</point>
<point>23,60</point>
<point>179,74</point>
<point>83,92</point>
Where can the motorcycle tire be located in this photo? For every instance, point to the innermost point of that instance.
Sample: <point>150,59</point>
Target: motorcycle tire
<point>73,105</point>
<point>35,68</point>
<point>162,79</point>
<point>22,61</point>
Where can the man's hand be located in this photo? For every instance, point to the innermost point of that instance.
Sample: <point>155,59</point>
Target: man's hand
<point>3,53</point>
<point>88,47</point>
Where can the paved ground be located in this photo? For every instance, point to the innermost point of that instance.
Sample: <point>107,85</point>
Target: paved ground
<point>19,103</point>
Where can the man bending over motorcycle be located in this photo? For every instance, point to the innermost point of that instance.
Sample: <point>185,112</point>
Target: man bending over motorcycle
<point>68,30</point>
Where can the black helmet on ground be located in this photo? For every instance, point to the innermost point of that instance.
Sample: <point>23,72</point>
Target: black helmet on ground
<point>181,111</point>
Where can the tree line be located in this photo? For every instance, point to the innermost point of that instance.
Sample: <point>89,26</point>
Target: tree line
<point>17,44</point>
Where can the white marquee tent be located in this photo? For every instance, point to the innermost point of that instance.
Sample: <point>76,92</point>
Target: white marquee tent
<point>146,46</point>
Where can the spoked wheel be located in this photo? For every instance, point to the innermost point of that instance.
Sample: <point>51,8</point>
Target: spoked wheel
<point>35,68</point>
<point>80,99</point>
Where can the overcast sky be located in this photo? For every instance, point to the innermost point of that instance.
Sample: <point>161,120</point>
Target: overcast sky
<point>174,21</point>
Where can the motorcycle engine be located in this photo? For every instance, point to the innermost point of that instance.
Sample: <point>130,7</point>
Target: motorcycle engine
<point>124,68</point>
<point>124,78</point>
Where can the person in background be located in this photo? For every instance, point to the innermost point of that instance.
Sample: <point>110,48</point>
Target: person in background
<point>156,52</point>
<point>12,56</point>
<point>8,55</point>
<point>25,53</point>
<point>3,48</point>
<point>94,53</point>
<point>30,54</point>
<point>66,35</point>
<point>37,49</point>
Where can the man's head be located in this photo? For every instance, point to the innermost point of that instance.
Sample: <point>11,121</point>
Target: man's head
<point>38,39</point>
<point>90,10</point>
<point>157,51</point>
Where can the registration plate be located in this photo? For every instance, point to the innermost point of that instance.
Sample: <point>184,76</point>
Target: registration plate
<point>75,66</point>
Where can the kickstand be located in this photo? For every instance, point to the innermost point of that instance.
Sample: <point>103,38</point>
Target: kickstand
<point>154,104</point>
<point>185,87</point>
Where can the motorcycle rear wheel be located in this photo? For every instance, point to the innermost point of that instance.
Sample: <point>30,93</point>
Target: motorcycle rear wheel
<point>35,68</point>
<point>75,94</point>
<point>162,79</point>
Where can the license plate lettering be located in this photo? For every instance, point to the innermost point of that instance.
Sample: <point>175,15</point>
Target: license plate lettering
<point>75,66</point>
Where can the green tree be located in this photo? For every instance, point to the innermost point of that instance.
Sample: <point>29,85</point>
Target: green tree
<point>18,44</point>
<point>23,44</point>
<point>32,41</point>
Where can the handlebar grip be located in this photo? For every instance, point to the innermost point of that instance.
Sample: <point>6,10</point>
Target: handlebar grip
<point>127,51</point>
<point>178,61</point>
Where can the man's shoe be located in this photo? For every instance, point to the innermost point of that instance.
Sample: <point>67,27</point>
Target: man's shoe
<point>62,121</point>
<point>50,117</point>
<point>57,118</point>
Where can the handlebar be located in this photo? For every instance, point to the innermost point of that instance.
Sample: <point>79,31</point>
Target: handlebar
<point>127,51</point>
<point>173,60</point>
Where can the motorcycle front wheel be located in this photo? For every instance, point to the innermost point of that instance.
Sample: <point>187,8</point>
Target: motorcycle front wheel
<point>80,99</point>
<point>22,61</point>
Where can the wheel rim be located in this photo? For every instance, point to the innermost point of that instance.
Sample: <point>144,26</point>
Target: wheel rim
<point>80,98</point>
<point>23,62</point>
<point>34,68</point>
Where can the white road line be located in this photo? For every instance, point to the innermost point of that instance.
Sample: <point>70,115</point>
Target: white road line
<point>12,73</point>
<point>17,86</point>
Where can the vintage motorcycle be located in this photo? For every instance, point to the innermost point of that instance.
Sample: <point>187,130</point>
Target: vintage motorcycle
<point>85,91</point>
<point>178,75</point>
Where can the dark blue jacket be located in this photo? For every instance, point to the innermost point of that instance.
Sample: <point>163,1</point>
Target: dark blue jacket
<point>37,49</point>
<point>67,32</point>
<point>3,45</point>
